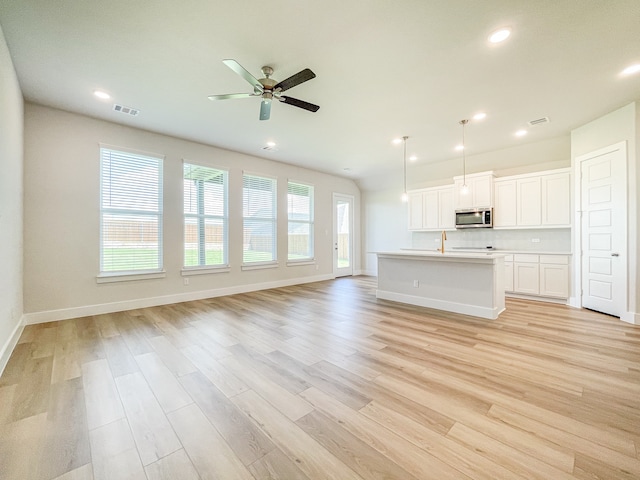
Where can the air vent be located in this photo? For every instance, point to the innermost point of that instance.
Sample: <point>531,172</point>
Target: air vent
<point>538,121</point>
<point>126,110</point>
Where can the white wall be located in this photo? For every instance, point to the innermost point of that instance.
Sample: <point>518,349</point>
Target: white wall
<point>620,125</point>
<point>11,154</point>
<point>384,225</point>
<point>62,218</point>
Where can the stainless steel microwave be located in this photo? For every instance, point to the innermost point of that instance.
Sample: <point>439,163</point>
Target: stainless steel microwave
<point>474,218</point>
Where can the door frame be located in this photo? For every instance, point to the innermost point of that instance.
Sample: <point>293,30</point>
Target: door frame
<point>576,299</point>
<point>351,199</point>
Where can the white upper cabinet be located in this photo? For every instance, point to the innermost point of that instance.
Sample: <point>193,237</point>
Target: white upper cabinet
<point>480,193</point>
<point>528,202</point>
<point>556,199</point>
<point>431,209</point>
<point>505,211</point>
<point>541,199</point>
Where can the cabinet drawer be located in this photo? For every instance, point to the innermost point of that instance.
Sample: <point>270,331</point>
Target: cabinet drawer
<point>525,258</point>
<point>555,259</point>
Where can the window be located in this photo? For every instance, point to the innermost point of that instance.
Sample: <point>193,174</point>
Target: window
<point>130,212</point>
<point>205,216</point>
<point>300,215</point>
<point>259,215</point>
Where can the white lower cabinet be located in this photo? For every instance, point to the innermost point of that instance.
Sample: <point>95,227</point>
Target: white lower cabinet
<point>539,275</point>
<point>554,276</point>
<point>526,274</point>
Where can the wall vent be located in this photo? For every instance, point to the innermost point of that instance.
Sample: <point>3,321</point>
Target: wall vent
<point>126,110</point>
<point>538,121</point>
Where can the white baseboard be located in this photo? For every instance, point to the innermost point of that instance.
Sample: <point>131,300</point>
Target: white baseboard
<point>537,298</point>
<point>10,344</point>
<point>631,317</point>
<point>465,309</point>
<point>84,311</point>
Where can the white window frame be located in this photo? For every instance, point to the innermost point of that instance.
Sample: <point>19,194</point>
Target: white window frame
<point>201,218</point>
<point>273,221</point>
<point>309,221</point>
<point>108,276</point>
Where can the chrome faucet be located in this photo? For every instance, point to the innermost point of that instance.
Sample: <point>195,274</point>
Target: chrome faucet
<point>443,237</point>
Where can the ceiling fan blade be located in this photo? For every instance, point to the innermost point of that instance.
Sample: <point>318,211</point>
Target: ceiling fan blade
<point>265,109</point>
<point>294,80</point>
<point>300,103</point>
<point>240,70</point>
<point>231,95</point>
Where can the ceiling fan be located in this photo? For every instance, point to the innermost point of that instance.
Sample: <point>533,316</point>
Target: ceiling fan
<point>268,88</point>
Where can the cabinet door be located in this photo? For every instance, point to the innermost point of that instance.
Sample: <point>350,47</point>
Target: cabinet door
<point>415,211</point>
<point>482,191</point>
<point>504,212</point>
<point>447,215</point>
<point>526,278</point>
<point>556,199</point>
<point>508,276</point>
<point>528,202</point>
<point>554,280</point>
<point>430,210</point>
<point>461,200</point>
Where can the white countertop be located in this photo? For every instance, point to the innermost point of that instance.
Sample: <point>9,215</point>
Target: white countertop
<point>448,255</point>
<point>488,250</point>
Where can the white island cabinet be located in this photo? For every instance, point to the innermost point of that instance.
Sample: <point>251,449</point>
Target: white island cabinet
<point>467,283</point>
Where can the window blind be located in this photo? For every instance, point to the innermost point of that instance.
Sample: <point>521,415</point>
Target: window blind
<point>259,218</point>
<point>300,221</point>
<point>206,218</point>
<point>130,212</point>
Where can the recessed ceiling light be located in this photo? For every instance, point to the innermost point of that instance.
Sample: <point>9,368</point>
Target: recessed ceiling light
<point>500,35</point>
<point>459,147</point>
<point>520,133</point>
<point>413,158</point>
<point>101,95</point>
<point>631,69</point>
<point>396,141</point>
<point>480,116</point>
<point>271,144</point>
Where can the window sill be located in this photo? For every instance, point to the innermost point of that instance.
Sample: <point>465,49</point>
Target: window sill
<point>187,272</point>
<point>128,277</point>
<point>259,266</point>
<point>305,261</point>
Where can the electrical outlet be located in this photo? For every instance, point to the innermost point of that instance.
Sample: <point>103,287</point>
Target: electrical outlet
<point>535,240</point>
<point>416,283</point>
<point>185,281</point>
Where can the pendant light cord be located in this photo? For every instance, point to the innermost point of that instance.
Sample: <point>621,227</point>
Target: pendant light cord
<point>404,157</point>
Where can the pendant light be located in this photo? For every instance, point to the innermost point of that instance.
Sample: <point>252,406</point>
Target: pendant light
<point>405,196</point>
<point>464,190</point>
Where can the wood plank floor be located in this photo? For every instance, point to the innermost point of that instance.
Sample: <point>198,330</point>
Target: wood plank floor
<point>323,381</point>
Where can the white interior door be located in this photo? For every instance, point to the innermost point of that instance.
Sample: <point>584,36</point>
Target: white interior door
<point>342,235</point>
<point>603,199</point>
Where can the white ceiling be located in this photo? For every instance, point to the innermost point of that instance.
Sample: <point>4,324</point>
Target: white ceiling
<point>385,68</point>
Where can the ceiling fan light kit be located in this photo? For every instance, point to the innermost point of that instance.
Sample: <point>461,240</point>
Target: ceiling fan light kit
<point>268,89</point>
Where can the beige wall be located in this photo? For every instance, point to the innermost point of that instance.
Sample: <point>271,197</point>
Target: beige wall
<point>622,125</point>
<point>62,218</point>
<point>11,139</point>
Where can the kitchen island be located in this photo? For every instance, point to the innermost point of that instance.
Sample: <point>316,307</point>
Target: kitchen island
<point>468,283</point>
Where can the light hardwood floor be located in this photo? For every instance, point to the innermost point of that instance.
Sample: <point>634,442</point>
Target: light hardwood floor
<point>323,381</point>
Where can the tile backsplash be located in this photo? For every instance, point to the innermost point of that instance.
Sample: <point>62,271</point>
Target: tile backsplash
<point>539,240</point>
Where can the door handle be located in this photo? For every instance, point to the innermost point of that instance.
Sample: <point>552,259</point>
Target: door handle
<point>615,254</point>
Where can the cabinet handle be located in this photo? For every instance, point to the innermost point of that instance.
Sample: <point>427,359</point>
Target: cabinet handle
<point>615,254</point>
